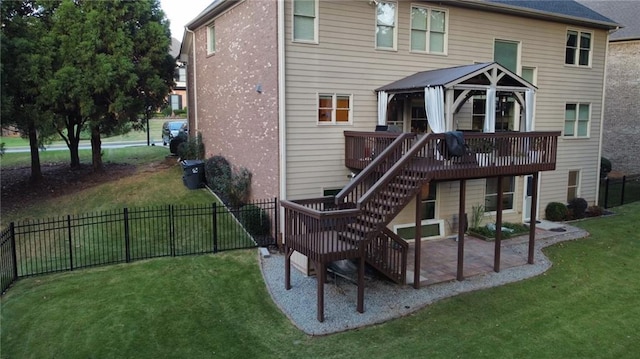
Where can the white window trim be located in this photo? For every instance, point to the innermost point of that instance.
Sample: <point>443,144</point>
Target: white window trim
<point>424,222</point>
<point>395,27</point>
<point>334,103</point>
<point>578,185</point>
<point>446,30</point>
<point>315,25</point>
<point>575,135</point>
<point>576,59</point>
<point>210,50</point>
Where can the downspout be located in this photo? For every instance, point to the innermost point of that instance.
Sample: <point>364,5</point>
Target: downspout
<point>282,145</point>
<point>195,81</point>
<point>604,91</point>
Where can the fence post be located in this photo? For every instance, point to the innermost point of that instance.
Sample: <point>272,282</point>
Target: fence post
<point>276,227</point>
<point>624,180</point>
<point>214,219</point>
<point>70,243</point>
<point>14,249</point>
<point>172,239</point>
<point>606,193</point>
<point>127,245</point>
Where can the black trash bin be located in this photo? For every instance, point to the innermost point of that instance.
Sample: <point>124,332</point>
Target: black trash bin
<point>193,176</point>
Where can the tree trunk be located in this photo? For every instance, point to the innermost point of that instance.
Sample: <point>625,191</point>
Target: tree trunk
<point>36,171</point>
<point>96,149</point>
<point>73,143</point>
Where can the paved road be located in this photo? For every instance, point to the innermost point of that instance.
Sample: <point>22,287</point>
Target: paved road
<point>82,146</point>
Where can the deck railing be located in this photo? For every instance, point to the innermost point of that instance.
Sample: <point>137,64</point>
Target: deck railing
<point>488,154</point>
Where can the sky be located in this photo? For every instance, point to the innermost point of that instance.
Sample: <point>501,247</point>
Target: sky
<point>180,12</point>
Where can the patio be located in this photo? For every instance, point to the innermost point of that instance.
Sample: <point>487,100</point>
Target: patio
<point>386,300</point>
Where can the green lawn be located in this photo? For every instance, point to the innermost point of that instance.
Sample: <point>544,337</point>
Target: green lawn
<point>585,306</point>
<point>155,133</point>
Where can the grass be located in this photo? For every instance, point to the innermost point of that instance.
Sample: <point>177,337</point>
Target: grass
<point>132,155</point>
<point>155,133</point>
<point>586,305</point>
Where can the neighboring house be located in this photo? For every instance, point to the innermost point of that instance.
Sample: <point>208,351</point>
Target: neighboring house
<point>274,85</point>
<point>622,96</point>
<point>177,99</point>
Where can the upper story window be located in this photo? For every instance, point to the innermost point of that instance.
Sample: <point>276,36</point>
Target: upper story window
<point>180,74</point>
<point>428,30</point>
<point>578,50</point>
<point>386,21</point>
<point>334,108</point>
<point>576,119</point>
<point>305,21</point>
<point>211,39</point>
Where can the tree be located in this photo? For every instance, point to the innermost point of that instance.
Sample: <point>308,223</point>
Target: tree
<point>24,68</point>
<point>111,63</point>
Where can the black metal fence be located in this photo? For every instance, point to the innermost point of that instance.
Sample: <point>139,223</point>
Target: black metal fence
<point>618,191</point>
<point>34,247</point>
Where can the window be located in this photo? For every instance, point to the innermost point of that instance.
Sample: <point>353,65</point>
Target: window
<point>386,25</point>
<point>479,111</point>
<point>428,30</point>
<point>576,119</point>
<point>180,74</point>
<point>491,194</point>
<point>430,226</point>
<point>573,185</point>
<point>506,54</point>
<point>529,74</point>
<point>305,21</point>
<point>334,108</point>
<point>211,39</point>
<point>176,102</point>
<point>578,50</point>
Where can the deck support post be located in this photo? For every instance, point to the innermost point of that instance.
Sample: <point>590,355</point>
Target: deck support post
<point>321,277</point>
<point>461,225</point>
<point>532,219</point>
<point>360,299</point>
<point>496,253</point>
<point>418,241</point>
<point>287,267</point>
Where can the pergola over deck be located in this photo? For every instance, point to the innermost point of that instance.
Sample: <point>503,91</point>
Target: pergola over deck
<point>446,90</point>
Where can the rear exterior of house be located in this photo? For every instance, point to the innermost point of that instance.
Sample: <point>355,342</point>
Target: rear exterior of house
<point>320,63</point>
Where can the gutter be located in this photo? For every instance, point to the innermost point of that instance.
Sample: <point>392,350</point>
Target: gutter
<point>195,78</point>
<point>282,130</point>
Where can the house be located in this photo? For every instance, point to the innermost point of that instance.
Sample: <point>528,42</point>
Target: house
<point>178,97</point>
<point>621,125</point>
<point>294,90</point>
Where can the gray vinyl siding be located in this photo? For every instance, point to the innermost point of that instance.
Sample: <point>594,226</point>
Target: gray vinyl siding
<point>345,61</point>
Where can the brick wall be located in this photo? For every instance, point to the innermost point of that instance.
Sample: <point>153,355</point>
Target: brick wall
<point>237,92</point>
<point>621,135</point>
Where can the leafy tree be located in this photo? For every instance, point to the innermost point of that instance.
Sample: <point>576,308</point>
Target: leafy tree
<point>111,63</point>
<point>24,68</point>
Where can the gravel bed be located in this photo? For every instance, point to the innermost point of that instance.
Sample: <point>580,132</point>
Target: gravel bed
<point>385,300</point>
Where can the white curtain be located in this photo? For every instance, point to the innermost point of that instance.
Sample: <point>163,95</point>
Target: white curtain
<point>490,111</point>
<point>434,107</point>
<point>528,102</point>
<point>383,98</point>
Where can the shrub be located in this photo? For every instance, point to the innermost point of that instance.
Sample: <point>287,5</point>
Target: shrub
<point>175,142</point>
<point>255,220</point>
<point>238,191</point>
<point>192,149</point>
<point>595,211</point>
<point>556,211</point>
<point>578,206</point>
<point>605,167</point>
<point>217,172</point>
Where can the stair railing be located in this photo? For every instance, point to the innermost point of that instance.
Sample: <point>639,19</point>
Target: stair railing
<point>370,174</point>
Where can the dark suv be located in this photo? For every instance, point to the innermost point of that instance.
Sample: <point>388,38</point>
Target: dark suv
<point>171,129</point>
